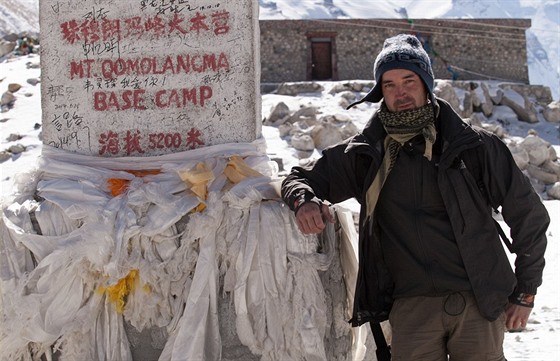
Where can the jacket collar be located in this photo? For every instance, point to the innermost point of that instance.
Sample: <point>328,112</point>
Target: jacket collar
<point>454,133</point>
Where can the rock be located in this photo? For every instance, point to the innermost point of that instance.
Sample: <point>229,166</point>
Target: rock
<point>542,175</point>
<point>467,105</point>
<point>302,142</point>
<point>474,120</point>
<point>341,87</point>
<point>7,99</point>
<point>278,115</point>
<point>33,81</point>
<point>537,148</point>
<point>343,103</point>
<point>13,137</point>
<point>353,86</point>
<point>541,93</point>
<point>538,186</point>
<point>520,156</point>
<point>349,129</point>
<point>299,128</point>
<point>13,87</point>
<point>488,106</point>
<point>551,167</point>
<point>552,154</point>
<point>361,86</point>
<point>523,114</point>
<point>6,47</point>
<point>299,88</point>
<point>11,37</point>
<point>530,108</point>
<point>554,191</point>
<point>336,118</point>
<point>348,95</point>
<point>31,65</point>
<point>306,124</point>
<point>304,113</point>
<point>497,99</point>
<point>325,134</point>
<point>477,103</point>
<point>343,123</point>
<point>445,90</point>
<point>16,149</point>
<point>284,129</point>
<point>495,129</point>
<point>551,112</point>
<point>4,156</point>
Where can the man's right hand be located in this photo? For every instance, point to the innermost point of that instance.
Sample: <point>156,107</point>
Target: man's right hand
<point>311,217</point>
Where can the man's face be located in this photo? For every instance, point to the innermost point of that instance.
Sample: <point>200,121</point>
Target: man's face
<point>403,90</point>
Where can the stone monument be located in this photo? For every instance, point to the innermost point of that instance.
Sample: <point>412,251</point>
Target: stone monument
<point>152,228</point>
<point>142,78</point>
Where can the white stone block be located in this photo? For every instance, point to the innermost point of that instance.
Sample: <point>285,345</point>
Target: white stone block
<point>142,78</point>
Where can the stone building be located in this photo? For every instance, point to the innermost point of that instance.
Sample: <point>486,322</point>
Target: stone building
<point>462,49</point>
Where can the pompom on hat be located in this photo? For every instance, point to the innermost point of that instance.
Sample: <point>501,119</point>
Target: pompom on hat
<point>402,51</point>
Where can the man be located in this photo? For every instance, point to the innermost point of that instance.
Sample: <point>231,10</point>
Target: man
<point>430,260</point>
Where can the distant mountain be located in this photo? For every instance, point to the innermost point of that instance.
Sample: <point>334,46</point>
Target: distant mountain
<point>543,39</point>
<point>17,16</point>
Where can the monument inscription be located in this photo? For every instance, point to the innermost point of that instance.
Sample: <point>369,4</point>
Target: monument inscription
<point>139,78</point>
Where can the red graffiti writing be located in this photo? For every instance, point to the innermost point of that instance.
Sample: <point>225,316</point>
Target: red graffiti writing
<point>220,19</point>
<point>180,64</point>
<point>193,138</point>
<point>128,99</point>
<point>162,141</point>
<point>136,99</point>
<point>95,30</point>
<point>109,143</point>
<point>179,98</point>
<point>133,142</point>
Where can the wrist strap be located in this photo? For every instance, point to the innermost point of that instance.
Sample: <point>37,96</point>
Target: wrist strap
<point>523,299</point>
<point>303,199</point>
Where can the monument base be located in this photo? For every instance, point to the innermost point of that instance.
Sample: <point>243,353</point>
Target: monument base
<point>189,256</point>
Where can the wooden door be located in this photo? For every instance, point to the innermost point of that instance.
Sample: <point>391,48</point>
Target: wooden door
<point>321,60</point>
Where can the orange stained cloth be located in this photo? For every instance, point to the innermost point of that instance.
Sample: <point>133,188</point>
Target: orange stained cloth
<point>118,186</point>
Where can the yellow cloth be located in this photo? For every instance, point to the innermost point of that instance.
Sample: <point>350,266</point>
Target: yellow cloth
<point>237,170</point>
<point>198,178</point>
<point>118,293</point>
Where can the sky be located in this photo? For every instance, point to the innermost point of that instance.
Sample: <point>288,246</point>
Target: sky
<point>539,342</point>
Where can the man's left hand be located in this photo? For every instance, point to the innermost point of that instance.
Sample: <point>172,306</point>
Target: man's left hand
<point>517,316</point>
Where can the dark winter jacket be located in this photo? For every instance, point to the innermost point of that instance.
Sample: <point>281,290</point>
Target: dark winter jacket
<point>468,155</point>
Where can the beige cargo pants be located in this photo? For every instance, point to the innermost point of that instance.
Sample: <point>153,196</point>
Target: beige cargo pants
<point>444,328</point>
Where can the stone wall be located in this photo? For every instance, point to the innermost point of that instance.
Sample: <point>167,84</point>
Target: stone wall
<point>488,49</point>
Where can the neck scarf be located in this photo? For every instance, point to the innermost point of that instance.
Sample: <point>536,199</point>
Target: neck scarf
<point>400,127</point>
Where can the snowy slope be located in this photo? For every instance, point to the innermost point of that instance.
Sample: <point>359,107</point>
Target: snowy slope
<point>543,38</point>
<point>18,16</point>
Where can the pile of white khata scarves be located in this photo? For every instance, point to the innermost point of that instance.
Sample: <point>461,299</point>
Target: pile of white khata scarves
<point>87,243</point>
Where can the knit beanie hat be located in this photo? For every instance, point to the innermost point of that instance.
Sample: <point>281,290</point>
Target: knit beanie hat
<point>402,51</point>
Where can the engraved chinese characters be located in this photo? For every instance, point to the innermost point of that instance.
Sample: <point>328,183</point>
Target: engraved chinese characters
<point>139,78</point>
